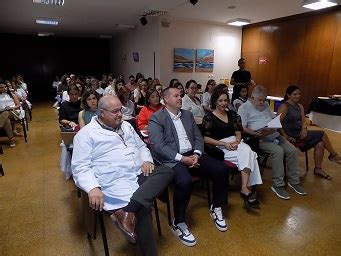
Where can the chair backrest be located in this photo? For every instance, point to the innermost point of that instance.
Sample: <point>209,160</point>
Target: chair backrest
<point>67,137</point>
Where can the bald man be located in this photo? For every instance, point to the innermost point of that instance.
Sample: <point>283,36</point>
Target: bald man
<point>112,164</point>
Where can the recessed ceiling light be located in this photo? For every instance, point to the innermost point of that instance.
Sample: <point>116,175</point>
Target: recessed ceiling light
<point>45,34</point>
<point>51,2</point>
<point>238,22</point>
<point>125,26</point>
<point>105,36</point>
<point>318,4</point>
<point>45,21</point>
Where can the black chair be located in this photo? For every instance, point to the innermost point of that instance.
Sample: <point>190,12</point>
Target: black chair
<point>1,168</point>
<point>93,217</point>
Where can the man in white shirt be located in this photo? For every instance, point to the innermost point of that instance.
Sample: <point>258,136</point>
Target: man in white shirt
<point>255,115</point>
<point>112,164</point>
<point>177,142</point>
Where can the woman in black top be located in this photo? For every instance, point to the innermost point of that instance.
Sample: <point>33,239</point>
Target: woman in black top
<point>222,128</point>
<point>68,112</point>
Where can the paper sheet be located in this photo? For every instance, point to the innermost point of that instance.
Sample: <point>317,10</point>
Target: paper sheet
<point>275,123</point>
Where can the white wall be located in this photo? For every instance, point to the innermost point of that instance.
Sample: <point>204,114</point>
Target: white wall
<point>144,40</point>
<point>224,40</point>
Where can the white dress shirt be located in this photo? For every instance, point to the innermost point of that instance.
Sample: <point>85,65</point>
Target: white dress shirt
<point>184,143</point>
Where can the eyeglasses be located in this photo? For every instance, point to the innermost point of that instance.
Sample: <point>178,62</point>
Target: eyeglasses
<point>114,111</point>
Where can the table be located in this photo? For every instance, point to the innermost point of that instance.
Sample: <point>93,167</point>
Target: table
<point>326,113</point>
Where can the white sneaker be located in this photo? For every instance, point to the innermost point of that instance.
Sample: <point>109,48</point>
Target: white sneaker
<point>182,232</point>
<point>218,218</point>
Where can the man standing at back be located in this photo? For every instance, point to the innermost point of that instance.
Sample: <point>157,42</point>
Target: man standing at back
<point>112,164</point>
<point>177,142</point>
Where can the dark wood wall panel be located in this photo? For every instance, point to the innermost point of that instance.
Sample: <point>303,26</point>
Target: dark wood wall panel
<point>40,59</point>
<point>334,82</point>
<point>303,50</point>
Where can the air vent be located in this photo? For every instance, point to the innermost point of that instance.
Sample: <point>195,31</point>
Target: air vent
<point>154,13</point>
<point>50,2</point>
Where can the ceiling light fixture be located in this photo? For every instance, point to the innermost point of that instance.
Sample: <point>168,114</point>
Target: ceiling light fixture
<point>318,4</point>
<point>194,2</point>
<point>238,22</point>
<point>51,2</point>
<point>125,26</point>
<point>105,37</point>
<point>45,21</point>
<point>45,34</point>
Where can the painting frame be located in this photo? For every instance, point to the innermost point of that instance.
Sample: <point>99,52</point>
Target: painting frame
<point>183,60</point>
<point>204,60</point>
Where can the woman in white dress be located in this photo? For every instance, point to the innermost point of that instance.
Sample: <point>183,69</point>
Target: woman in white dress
<point>222,128</point>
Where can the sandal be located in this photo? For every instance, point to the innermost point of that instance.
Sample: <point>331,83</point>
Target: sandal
<point>335,158</point>
<point>322,174</point>
<point>248,202</point>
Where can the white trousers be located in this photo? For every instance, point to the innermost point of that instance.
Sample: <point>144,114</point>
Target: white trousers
<point>243,157</point>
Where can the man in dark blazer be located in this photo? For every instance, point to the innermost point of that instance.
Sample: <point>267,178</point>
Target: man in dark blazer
<point>177,142</point>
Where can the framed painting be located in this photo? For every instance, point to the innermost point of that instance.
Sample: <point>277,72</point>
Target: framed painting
<point>204,61</point>
<point>183,60</point>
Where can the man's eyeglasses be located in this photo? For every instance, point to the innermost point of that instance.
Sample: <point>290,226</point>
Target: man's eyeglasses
<point>114,111</point>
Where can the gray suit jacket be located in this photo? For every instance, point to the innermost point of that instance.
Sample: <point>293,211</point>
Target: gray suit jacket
<point>164,138</point>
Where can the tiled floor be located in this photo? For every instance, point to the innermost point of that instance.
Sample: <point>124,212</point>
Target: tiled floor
<point>40,212</point>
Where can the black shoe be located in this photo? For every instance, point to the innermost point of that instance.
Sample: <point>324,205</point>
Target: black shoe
<point>249,203</point>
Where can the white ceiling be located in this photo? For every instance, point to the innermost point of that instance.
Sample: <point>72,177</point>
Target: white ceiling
<point>99,17</point>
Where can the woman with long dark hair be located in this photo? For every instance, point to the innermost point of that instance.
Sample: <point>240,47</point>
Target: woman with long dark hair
<point>295,130</point>
<point>222,128</point>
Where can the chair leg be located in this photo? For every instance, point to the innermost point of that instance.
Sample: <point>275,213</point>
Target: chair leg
<point>169,215</point>
<point>26,122</point>
<point>24,128</point>
<point>104,235</point>
<point>157,217</point>
<point>306,161</point>
<point>2,170</point>
<point>79,193</point>
<point>208,189</point>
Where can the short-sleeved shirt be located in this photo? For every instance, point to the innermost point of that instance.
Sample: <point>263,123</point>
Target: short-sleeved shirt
<point>257,118</point>
<point>242,76</point>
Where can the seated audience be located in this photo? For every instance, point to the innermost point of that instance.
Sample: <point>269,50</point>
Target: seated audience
<point>95,86</point>
<point>179,86</point>
<point>69,110</point>
<point>8,104</point>
<point>132,84</point>
<point>255,115</point>
<point>89,104</point>
<point>19,81</point>
<point>176,142</point>
<point>206,97</point>
<point>128,107</point>
<point>222,128</point>
<point>141,99</point>
<point>153,99</point>
<point>112,164</point>
<point>239,96</point>
<point>295,131</point>
<point>172,82</point>
<point>158,88</point>
<point>192,103</point>
<point>110,89</point>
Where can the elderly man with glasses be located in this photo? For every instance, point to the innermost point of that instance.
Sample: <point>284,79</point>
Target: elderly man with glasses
<point>112,164</point>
